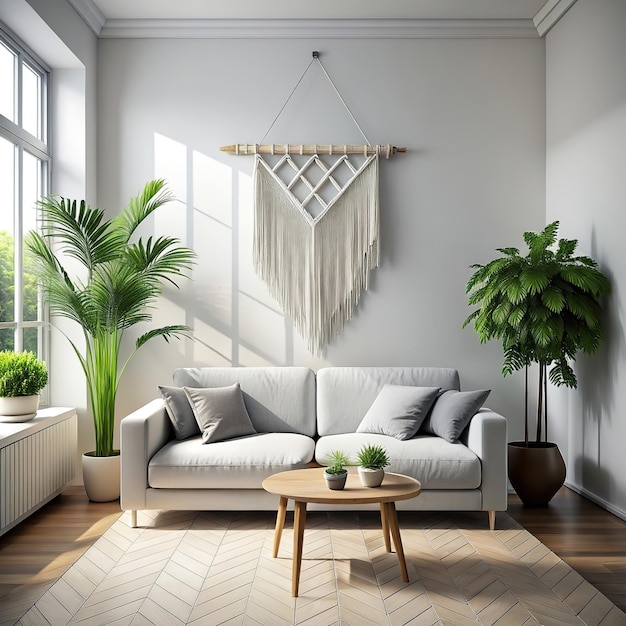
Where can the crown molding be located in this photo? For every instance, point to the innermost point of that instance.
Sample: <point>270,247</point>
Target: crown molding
<point>91,14</point>
<point>544,20</point>
<point>317,28</point>
<point>551,12</point>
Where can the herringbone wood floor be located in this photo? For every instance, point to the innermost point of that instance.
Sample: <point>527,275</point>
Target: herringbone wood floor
<point>36,553</point>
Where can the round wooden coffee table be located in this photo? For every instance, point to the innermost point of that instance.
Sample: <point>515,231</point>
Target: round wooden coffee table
<point>308,485</point>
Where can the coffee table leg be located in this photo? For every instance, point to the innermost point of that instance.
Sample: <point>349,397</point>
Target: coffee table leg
<point>385,524</point>
<point>392,520</point>
<point>298,540</point>
<point>280,524</point>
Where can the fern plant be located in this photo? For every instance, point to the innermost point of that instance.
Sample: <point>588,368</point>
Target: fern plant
<point>118,283</point>
<point>544,307</point>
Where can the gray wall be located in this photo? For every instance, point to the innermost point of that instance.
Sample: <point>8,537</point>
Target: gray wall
<point>489,125</point>
<point>586,191</point>
<point>471,114</point>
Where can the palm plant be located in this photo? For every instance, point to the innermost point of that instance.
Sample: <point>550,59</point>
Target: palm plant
<point>119,283</point>
<point>544,307</point>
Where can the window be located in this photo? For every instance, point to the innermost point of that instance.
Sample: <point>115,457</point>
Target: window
<point>24,178</point>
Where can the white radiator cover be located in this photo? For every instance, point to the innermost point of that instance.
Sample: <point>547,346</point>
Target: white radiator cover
<point>37,461</point>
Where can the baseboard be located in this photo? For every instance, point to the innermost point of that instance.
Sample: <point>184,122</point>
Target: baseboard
<point>596,500</point>
<point>590,496</point>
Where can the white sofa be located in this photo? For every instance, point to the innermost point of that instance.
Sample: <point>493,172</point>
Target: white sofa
<point>300,417</point>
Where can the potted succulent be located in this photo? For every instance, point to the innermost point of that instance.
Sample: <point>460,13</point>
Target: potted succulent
<point>544,307</point>
<point>336,472</point>
<point>372,460</point>
<point>22,377</point>
<point>119,279</point>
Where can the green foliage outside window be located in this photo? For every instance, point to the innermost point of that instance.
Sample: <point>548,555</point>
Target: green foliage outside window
<point>7,294</point>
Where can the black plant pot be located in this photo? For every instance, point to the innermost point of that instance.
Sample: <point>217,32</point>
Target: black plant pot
<point>536,471</point>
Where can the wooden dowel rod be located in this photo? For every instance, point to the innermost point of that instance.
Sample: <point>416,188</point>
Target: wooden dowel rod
<point>321,149</point>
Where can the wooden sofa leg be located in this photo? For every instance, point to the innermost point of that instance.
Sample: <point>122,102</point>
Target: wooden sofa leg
<point>492,520</point>
<point>133,519</point>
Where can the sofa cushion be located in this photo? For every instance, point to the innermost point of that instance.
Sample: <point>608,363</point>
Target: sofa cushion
<point>234,464</point>
<point>398,411</point>
<point>436,463</point>
<point>344,394</point>
<point>452,412</point>
<point>278,399</point>
<point>180,412</point>
<point>220,412</point>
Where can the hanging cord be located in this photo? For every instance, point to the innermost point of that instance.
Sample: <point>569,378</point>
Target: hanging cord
<point>316,57</point>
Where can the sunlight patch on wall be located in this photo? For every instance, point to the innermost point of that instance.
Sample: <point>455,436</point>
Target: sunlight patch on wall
<point>235,320</point>
<point>212,188</point>
<point>213,274</point>
<point>251,358</point>
<point>170,163</point>
<point>211,347</point>
<point>166,313</point>
<point>262,329</point>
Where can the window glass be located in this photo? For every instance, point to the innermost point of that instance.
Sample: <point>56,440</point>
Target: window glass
<point>7,339</point>
<point>8,64</point>
<point>7,262</point>
<point>31,192</point>
<point>31,101</point>
<point>24,169</point>
<point>32,341</point>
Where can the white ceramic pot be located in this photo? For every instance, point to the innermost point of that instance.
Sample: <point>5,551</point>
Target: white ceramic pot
<point>101,475</point>
<point>18,408</point>
<point>371,477</point>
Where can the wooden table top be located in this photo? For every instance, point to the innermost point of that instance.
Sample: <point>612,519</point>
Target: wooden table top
<point>308,485</point>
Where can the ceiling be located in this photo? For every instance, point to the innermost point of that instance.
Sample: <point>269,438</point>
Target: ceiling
<point>320,9</point>
<point>321,18</point>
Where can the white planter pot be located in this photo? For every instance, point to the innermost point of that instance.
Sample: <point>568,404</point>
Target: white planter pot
<point>101,475</point>
<point>371,477</point>
<point>18,408</point>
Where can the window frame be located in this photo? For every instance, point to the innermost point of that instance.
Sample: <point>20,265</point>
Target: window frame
<point>40,148</point>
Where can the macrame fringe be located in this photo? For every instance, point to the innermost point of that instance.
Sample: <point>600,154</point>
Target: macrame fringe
<point>316,268</point>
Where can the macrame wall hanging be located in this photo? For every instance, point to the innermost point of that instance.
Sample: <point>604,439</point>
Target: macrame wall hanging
<point>316,230</point>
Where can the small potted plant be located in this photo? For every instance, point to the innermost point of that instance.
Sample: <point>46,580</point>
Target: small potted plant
<point>336,472</point>
<point>22,377</point>
<point>372,460</point>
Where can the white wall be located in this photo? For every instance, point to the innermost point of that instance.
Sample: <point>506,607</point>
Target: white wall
<point>472,116</point>
<point>586,191</point>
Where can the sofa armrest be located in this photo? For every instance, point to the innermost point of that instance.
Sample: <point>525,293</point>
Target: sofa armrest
<point>487,438</point>
<point>142,434</point>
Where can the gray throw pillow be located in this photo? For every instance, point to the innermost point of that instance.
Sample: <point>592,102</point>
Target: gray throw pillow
<point>180,412</point>
<point>452,412</point>
<point>398,411</point>
<point>220,412</point>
